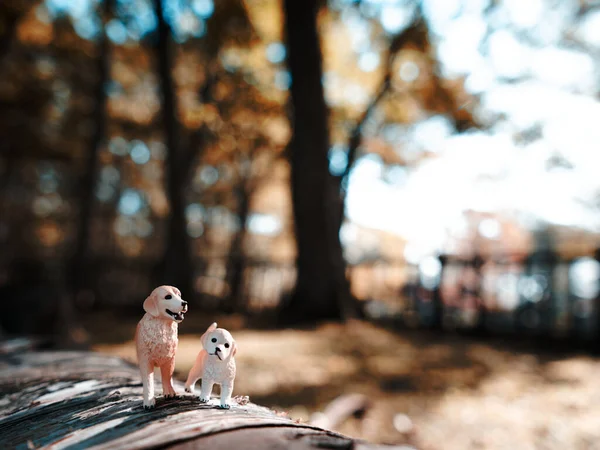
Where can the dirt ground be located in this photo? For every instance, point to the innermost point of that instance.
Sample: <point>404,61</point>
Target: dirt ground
<point>432,391</point>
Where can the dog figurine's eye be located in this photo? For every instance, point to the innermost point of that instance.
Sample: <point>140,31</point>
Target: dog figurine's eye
<point>169,297</point>
<point>226,345</point>
<point>213,340</point>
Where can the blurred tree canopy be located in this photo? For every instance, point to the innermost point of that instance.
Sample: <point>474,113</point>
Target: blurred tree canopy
<point>202,142</point>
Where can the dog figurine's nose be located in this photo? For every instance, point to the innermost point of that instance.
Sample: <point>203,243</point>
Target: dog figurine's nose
<point>183,303</point>
<point>217,349</point>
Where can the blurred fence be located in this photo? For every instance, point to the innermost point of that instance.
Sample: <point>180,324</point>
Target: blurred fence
<point>541,295</point>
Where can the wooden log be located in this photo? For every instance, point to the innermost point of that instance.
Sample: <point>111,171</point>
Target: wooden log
<point>73,400</point>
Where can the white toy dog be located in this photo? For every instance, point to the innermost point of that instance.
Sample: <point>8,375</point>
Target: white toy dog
<point>156,339</point>
<point>214,364</point>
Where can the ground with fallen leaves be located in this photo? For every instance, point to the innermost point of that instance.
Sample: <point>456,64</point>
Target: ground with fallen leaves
<point>432,391</point>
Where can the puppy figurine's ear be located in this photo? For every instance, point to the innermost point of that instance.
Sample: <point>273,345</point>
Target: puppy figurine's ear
<point>233,351</point>
<point>212,327</point>
<point>151,304</point>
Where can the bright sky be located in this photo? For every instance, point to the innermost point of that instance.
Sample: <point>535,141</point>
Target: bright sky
<point>526,76</point>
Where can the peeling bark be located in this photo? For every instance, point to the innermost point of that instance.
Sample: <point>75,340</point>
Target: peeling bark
<point>62,400</point>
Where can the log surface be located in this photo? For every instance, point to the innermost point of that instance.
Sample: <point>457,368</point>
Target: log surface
<point>71,400</point>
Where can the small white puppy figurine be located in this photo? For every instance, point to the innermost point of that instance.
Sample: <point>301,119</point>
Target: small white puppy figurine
<point>214,364</point>
<point>156,339</point>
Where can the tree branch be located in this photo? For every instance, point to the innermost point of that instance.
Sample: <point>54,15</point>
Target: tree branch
<point>415,33</point>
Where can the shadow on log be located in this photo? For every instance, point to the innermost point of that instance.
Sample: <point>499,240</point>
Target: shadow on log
<point>72,400</point>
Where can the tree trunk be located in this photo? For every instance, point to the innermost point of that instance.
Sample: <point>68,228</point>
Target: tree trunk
<point>237,257</point>
<point>177,268</point>
<point>90,175</point>
<point>10,15</point>
<point>322,290</point>
<point>72,284</point>
<point>85,400</point>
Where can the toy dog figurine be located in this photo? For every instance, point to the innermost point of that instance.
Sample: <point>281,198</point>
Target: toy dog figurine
<point>156,339</point>
<point>214,364</point>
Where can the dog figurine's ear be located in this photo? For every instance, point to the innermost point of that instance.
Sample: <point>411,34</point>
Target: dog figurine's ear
<point>212,327</point>
<point>151,304</point>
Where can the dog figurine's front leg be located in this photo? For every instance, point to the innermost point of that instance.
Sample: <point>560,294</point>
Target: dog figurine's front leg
<point>147,373</point>
<point>226,390</point>
<point>206,390</point>
<point>166,373</point>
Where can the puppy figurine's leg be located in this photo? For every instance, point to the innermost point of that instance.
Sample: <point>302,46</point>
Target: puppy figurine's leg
<point>147,372</point>
<point>226,390</point>
<point>206,390</point>
<point>192,378</point>
<point>166,373</point>
<point>195,372</point>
